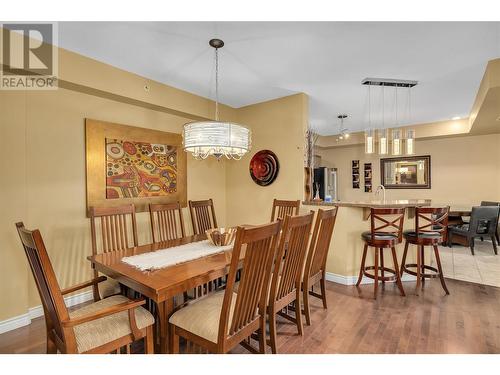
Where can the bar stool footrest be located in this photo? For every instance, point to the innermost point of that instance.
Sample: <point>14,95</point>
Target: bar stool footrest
<point>435,272</point>
<point>380,278</point>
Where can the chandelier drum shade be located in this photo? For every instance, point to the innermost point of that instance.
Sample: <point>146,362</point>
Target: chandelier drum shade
<point>216,138</point>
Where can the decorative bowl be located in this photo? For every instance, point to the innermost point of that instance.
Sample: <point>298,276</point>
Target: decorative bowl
<point>221,236</point>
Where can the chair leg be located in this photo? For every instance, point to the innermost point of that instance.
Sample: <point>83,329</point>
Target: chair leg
<point>262,335</point>
<point>494,245</point>
<point>272,331</point>
<point>497,237</point>
<point>51,345</point>
<point>419,263</point>
<point>323,290</point>
<point>148,341</point>
<point>482,238</point>
<point>298,312</point>
<point>173,339</point>
<point>362,268</point>
<point>440,269</point>
<point>305,297</point>
<point>471,244</point>
<point>375,274</point>
<point>398,275</point>
<point>382,273</point>
<point>422,261</point>
<point>403,261</point>
<point>449,239</point>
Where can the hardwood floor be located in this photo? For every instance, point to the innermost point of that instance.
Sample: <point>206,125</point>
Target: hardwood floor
<point>467,321</point>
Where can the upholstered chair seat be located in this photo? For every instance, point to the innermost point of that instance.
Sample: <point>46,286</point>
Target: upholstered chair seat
<point>98,332</point>
<point>202,317</point>
<point>378,236</point>
<point>412,233</point>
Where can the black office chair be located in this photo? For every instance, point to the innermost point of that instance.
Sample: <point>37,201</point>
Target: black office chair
<point>483,223</point>
<point>488,203</point>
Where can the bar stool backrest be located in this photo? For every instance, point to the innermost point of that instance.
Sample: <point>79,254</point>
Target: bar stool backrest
<point>387,221</point>
<point>431,220</point>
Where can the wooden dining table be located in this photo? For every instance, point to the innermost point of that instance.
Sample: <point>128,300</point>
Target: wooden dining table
<point>162,285</point>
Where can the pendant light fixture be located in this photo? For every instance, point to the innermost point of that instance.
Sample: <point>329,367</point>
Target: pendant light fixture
<point>396,133</point>
<point>369,133</point>
<point>217,138</point>
<point>383,141</point>
<point>410,133</point>
<point>344,132</point>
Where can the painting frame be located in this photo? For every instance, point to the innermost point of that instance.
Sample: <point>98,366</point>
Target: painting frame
<point>96,133</point>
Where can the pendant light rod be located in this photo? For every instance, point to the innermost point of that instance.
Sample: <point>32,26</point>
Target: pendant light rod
<point>216,44</point>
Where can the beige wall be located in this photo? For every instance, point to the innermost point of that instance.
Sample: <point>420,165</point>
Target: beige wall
<point>278,125</point>
<point>43,182</point>
<point>465,170</point>
<point>42,156</point>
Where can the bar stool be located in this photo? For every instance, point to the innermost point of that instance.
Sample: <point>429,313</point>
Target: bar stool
<point>430,230</point>
<point>386,231</point>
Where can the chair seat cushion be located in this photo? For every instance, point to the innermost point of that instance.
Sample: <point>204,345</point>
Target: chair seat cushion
<point>412,233</point>
<point>378,236</point>
<point>101,331</point>
<point>202,317</point>
<point>463,228</point>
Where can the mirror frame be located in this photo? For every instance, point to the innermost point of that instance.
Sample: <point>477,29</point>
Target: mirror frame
<point>426,158</point>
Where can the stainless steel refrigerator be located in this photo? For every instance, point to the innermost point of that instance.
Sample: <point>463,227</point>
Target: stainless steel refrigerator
<point>326,183</point>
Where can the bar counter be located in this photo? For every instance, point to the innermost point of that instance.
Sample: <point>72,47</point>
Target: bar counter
<point>346,247</point>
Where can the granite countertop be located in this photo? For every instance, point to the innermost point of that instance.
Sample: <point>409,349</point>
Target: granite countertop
<point>395,203</point>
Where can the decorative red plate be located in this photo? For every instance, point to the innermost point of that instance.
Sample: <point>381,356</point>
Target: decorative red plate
<point>264,167</point>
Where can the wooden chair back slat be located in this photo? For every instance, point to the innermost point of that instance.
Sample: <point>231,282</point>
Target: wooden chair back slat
<point>258,245</point>
<point>202,215</point>
<point>320,241</point>
<point>114,228</point>
<point>282,208</point>
<point>166,222</point>
<point>431,220</point>
<point>45,279</point>
<point>291,256</point>
<point>388,221</point>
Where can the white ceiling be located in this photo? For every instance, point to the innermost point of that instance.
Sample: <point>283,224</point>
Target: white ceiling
<point>326,60</point>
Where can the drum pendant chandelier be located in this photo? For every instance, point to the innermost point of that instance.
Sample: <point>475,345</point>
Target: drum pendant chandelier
<point>217,138</point>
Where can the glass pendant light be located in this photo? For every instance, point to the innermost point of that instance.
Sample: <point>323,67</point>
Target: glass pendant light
<point>410,142</point>
<point>369,133</point>
<point>396,133</point>
<point>383,133</point>
<point>217,138</point>
<point>410,133</point>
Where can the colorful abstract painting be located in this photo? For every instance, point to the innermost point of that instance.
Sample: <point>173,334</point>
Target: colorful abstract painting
<point>138,169</point>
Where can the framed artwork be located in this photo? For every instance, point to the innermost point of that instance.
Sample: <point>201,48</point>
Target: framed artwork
<point>264,167</point>
<point>127,164</point>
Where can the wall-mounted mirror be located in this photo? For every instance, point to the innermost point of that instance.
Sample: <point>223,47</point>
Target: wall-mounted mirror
<point>412,172</point>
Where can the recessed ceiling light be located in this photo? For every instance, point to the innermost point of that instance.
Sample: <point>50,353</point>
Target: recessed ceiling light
<point>456,118</point>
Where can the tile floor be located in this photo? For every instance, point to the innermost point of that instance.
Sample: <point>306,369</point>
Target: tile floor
<point>483,268</point>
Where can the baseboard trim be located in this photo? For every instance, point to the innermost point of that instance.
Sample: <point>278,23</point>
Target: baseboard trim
<point>352,280</point>
<point>37,311</point>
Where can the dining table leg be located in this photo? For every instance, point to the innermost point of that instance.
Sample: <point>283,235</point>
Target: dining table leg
<point>165,309</point>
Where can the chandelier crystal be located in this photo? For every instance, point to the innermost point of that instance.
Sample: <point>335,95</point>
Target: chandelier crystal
<point>216,138</point>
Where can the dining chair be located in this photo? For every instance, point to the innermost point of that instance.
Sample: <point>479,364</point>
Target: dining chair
<point>489,203</point>
<point>166,222</point>
<point>315,268</point>
<point>281,208</point>
<point>287,273</point>
<point>225,319</point>
<point>202,215</point>
<point>386,232</point>
<point>117,227</point>
<point>483,223</point>
<point>431,226</point>
<point>100,327</point>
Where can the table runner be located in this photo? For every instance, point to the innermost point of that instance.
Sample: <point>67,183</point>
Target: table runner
<point>174,255</point>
